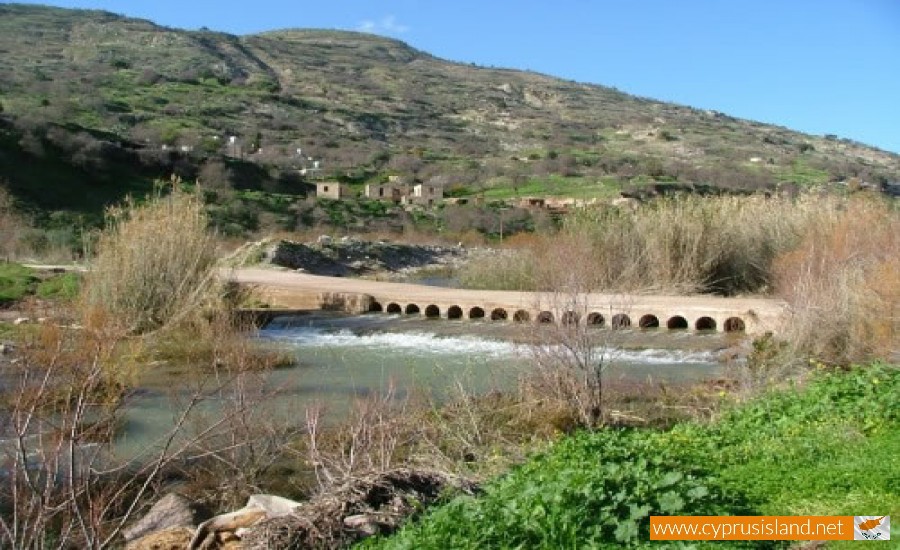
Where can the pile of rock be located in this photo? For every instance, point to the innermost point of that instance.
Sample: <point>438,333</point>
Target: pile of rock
<point>354,257</point>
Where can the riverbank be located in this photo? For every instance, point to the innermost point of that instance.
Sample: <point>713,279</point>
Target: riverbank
<point>827,447</point>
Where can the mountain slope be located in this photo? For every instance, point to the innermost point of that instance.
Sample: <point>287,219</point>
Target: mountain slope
<point>366,106</point>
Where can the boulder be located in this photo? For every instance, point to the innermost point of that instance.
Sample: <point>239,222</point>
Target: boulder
<point>172,510</point>
<point>175,538</point>
<point>226,528</point>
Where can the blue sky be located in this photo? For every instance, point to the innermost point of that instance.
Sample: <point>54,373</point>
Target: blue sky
<point>819,66</point>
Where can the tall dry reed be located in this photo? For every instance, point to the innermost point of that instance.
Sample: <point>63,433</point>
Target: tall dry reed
<point>154,262</point>
<point>723,245</point>
<point>843,284</point>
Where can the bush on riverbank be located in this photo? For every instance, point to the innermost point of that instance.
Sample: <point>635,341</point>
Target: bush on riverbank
<point>154,263</point>
<point>687,244</point>
<point>829,448</point>
<point>725,245</point>
<point>843,284</point>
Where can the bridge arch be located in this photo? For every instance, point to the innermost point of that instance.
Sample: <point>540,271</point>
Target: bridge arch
<point>734,324</point>
<point>545,317</point>
<point>521,316</point>
<point>499,314</point>
<point>595,319</point>
<point>412,308</point>
<point>454,312</point>
<point>677,323</point>
<point>394,308</point>
<point>476,313</point>
<point>620,321</point>
<point>375,307</point>
<point>649,321</point>
<point>705,323</point>
<point>432,311</point>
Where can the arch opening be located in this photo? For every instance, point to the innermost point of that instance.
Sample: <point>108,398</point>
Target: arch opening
<point>705,323</point>
<point>569,318</point>
<point>375,307</point>
<point>620,321</point>
<point>476,313</point>
<point>595,319</point>
<point>454,312</point>
<point>394,308</point>
<point>545,317</point>
<point>499,314</point>
<point>649,321</point>
<point>677,323</point>
<point>521,316</point>
<point>412,308</point>
<point>432,311</point>
<point>734,324</point>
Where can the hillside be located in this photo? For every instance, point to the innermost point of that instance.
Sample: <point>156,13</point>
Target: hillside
<point>102,103</point>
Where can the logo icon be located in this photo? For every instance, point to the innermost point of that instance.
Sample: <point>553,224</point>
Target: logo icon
<point>871,527</point>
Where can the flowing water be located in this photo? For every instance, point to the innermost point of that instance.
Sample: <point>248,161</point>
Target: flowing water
<point>340,358</point>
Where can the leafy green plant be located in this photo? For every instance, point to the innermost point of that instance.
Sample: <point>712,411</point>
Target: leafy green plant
<point>591,490</point>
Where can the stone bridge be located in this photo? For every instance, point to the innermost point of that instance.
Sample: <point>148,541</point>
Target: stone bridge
<point>286,290</point>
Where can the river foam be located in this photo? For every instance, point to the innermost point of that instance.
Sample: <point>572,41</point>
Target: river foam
<point>430,344</point>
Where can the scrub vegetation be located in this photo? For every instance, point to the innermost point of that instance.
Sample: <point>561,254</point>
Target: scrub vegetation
<point>95,106</point>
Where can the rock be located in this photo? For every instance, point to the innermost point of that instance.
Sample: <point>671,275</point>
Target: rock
<point>628,203</point>
<point>172,510</point>
<point>363,524</point>
<point>324,239</point>
<point>176,538</point>
<point>225,528</point>
<point>274,506</point>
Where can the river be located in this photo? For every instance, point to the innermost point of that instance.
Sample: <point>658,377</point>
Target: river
<point>340,358</point>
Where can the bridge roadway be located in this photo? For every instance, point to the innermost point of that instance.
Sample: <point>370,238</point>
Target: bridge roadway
<point>297,291</point>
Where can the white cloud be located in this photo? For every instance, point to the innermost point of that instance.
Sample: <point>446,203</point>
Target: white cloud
<point>386,25</point>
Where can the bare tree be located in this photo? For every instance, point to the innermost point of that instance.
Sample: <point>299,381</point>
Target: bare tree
<point>64,484</point>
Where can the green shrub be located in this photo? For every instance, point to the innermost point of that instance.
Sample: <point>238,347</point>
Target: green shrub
<point>591,490</point>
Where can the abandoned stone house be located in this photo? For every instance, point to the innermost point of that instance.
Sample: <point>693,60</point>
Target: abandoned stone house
<point>332,190</point>
<point>397,192</point>
<point>424,194</point>
<point>385,192</point>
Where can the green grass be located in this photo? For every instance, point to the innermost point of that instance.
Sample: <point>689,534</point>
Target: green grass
<point>557,186</point>
<point>803,174</point>
<point>18,282</point>
<point>830,448</point>
<point>64,286</point>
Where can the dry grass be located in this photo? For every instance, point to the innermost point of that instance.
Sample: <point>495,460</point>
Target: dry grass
<point>722,245</point>
<point>154,263</point>
<point>843,284</point>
